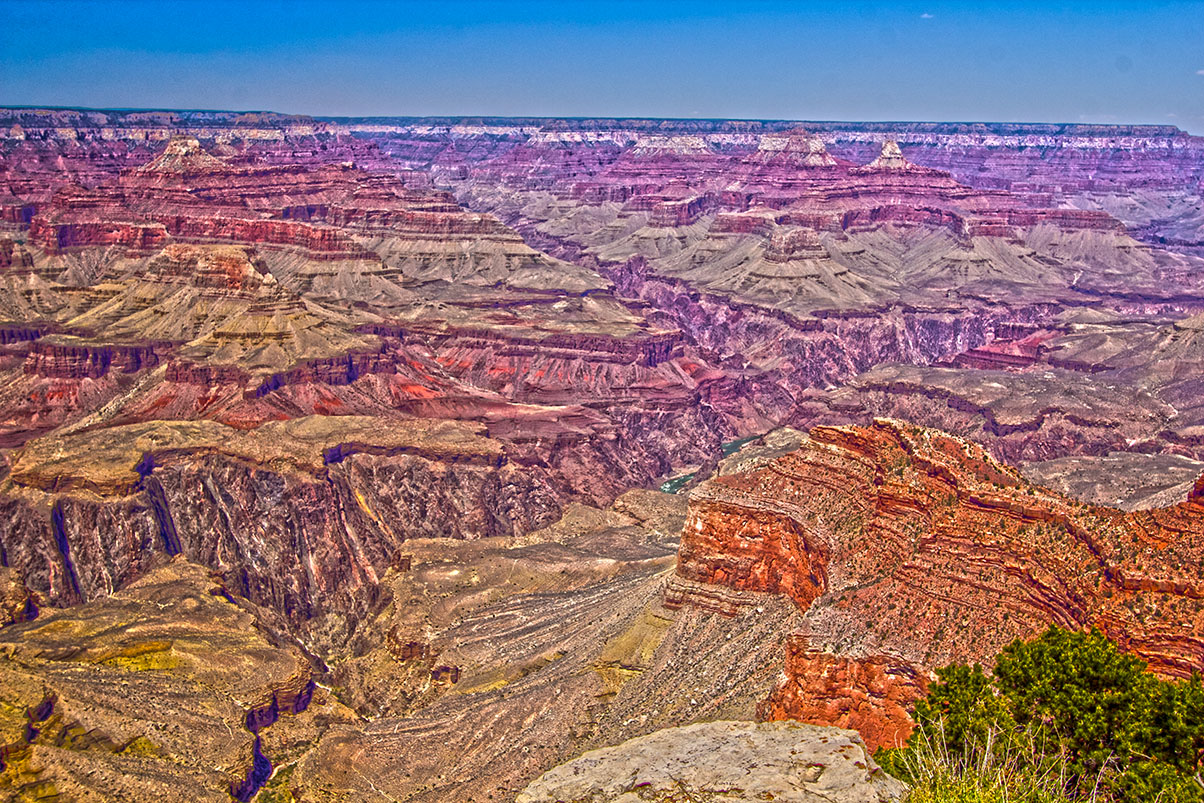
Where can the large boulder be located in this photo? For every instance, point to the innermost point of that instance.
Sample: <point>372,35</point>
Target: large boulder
<point>724,761</point>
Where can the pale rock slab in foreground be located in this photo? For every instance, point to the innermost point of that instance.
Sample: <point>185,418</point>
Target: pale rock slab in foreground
<point>724,761</point>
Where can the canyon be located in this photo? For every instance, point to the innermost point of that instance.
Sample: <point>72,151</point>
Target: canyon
<point>414,457</point>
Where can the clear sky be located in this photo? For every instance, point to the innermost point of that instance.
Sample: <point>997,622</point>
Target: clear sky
<point>1016,61</point>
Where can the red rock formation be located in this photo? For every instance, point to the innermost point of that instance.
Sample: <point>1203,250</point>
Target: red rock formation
<point>683,212</point>
<point>752,551</point>
<point>69,360</point>
<point>792,149</point>
<point>872,695</point>
<point>800,243</point>
<point>187,194</point>
<point>14,257</point>
<point>397,298</point>
<point>55,236</point>
<point>1004,352</point>
<point>891,160</point>
<point>263,272</point>
<point>904,542</point>
<point>183,154</point>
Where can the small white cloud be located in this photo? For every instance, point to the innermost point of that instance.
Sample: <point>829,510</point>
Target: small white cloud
<point>1199,72</point>
<point>927,16</point>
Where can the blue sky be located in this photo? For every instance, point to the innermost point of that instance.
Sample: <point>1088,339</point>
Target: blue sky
<point>1070,62</point>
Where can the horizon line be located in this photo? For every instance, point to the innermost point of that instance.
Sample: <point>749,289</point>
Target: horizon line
<point>184,110</point>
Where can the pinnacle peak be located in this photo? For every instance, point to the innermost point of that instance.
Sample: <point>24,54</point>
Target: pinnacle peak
<point>891,157</point>
<point>184,154</point>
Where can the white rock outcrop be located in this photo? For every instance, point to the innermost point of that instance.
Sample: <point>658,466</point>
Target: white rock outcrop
<point>786,762</point>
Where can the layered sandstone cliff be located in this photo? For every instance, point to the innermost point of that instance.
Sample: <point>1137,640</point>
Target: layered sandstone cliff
<point>907,549</point>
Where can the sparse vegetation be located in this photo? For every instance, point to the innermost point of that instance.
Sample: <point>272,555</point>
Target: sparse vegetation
<point>1066,716</point>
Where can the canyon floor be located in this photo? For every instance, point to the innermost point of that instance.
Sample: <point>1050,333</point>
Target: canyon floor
<point>408,459</point>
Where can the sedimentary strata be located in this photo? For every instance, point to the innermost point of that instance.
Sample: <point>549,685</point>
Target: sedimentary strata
<point>169,689</point>
<point>907,548</point>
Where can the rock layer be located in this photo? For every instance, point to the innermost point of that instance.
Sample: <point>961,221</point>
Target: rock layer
<point>168,690</point>
<point>907,549</point>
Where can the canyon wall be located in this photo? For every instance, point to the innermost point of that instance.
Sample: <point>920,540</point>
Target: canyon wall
<point>907,549</point>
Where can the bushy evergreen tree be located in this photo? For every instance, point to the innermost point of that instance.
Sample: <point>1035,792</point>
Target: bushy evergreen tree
<point>1071,706</point>
<point>962,710</point>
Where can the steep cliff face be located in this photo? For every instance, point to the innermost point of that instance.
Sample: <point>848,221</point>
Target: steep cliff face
<point>908,548</point>
<point>895,229</point>
<point>167,690</point>
<point>302,516</point>
<point>65,359</point>
<point>281,287</point>
<point>1021,416</point>
<point>871,694</point>
<point>557,638</point>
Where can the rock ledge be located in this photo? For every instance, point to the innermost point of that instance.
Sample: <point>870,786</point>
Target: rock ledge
<point>723,761</point>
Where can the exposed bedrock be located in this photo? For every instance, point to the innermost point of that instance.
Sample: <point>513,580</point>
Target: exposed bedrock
<point>304,533</point>
<point>304,516</point>
<point>907,548</point>
<point>143,237</point>
<point>167,690</point>
<point>870,694</point>
<point>67,360</point>
<point>262,383</point>
<point>740,762</point>
<point>827,350</point>
<point>558,639</point>
<point>1020,416</point>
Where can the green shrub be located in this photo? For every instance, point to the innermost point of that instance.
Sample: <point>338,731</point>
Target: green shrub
<point>1066,715</point>
<point>1076,691</point>
<point>962,711</point>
